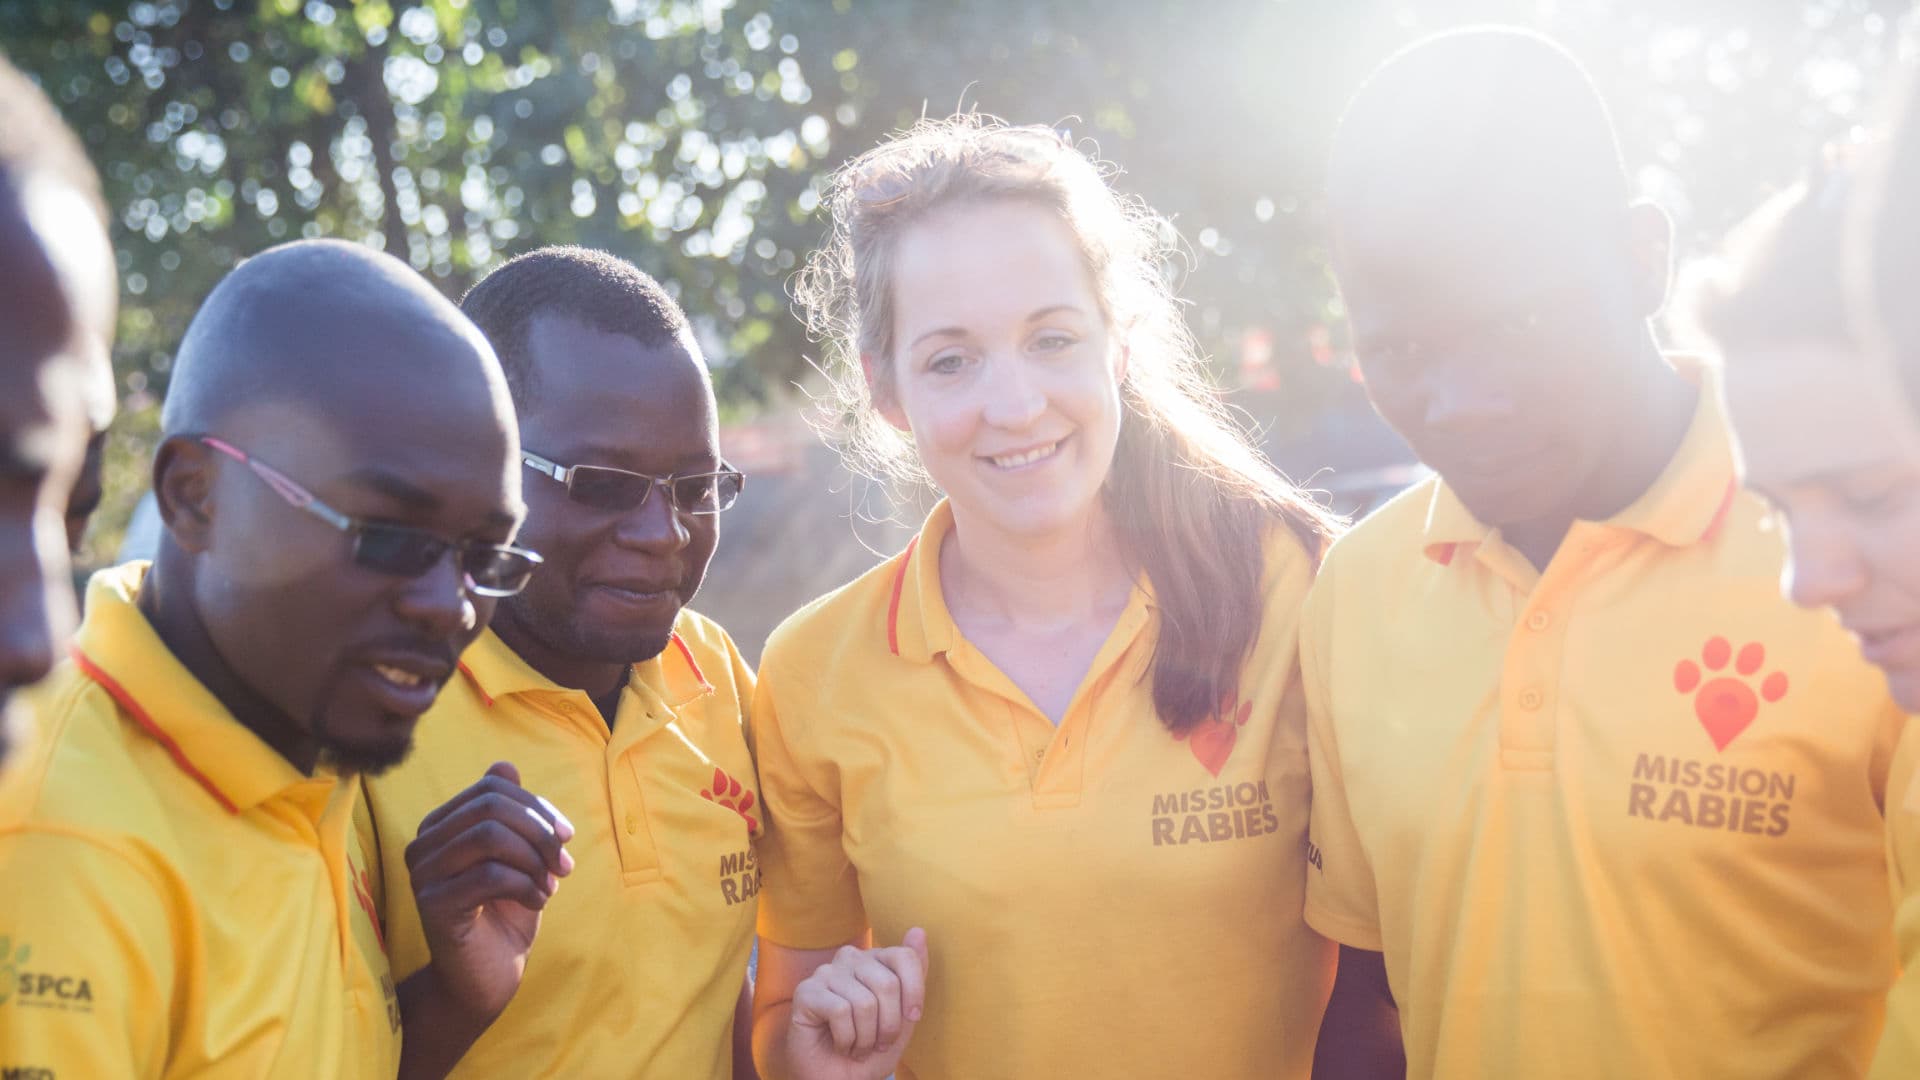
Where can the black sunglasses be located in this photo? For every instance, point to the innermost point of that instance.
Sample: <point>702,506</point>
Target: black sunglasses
<point>621,491</point>
<point>489,569</point>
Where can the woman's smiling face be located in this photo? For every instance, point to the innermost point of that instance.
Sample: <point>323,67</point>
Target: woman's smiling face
<point>1004,370</point>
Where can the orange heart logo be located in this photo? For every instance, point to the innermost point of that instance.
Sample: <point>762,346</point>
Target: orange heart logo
<point>1212,739</point>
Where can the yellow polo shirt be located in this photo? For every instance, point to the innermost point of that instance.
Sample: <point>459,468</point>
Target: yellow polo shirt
<point>180,901</point>
<point>1899,1055</point>
<point>1620,818</point>
<point>642,952</point>
<point>1100,899</point>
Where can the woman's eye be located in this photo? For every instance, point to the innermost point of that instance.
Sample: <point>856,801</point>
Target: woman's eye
<point>1053,342</point>
<point>946,363</point>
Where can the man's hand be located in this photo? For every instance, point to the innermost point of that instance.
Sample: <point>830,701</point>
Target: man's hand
<point>852,1018</point>
<point>483,867</point>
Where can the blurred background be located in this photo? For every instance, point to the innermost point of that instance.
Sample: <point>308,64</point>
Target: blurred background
<point>691,137</point>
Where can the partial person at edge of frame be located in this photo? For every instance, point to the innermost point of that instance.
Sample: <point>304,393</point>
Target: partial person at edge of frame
<point>1811,305</point>
<point>1618,810</point>
<point>56,381</point>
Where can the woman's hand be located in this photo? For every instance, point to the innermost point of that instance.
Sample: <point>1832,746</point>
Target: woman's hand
<point>853,1017</point>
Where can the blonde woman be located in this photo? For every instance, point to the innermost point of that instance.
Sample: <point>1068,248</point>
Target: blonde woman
<point>1052,755</point>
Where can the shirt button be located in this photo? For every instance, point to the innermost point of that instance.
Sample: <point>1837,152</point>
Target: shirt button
<point>1539,620</point>
<point>1529,698</point>
<point>632,824</point>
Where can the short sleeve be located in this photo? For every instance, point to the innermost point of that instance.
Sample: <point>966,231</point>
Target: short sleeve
<point>1902,802</point>
<point>1899,1052</point>
<point>87,961</point>
<point>1341,901</point>
<point>743,679</point>
<point>1898,1056</point>
<point>810,894</point>
<point>743,686</point>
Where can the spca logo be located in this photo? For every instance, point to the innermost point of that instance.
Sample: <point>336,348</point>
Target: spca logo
<point>23,987</point>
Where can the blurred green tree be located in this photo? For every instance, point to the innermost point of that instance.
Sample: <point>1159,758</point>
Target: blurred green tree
<point>690,136</point>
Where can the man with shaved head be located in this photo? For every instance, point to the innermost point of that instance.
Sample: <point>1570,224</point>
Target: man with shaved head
<point>56,329</point>
<point>1616,809</point>
<point>339,482</point>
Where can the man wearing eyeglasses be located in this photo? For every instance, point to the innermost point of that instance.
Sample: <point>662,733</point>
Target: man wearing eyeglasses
<point>185,894</point>
<point>620,704</point>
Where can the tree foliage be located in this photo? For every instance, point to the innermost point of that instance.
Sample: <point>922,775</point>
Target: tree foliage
<point>690,135</point>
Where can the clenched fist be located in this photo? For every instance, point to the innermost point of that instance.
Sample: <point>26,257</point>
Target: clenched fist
<point>852,1018</point>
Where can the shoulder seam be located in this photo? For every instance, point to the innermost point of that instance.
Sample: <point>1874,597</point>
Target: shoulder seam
<point>114,845</point>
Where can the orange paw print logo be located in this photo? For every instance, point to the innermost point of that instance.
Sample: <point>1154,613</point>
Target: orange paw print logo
<point>1726,704</point>
<point>727,791</point>
<point>1212,739</point>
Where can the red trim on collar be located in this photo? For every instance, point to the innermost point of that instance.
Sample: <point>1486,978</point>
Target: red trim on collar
<point>1443,553</point>
<point>1720,515</point>
<point>475,680</point>
<point>687,654</point>
<point>140,716</point>
<point>893,605</point>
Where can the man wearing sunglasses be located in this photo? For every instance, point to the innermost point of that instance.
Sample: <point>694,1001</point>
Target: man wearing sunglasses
<point>185,894</point>
<point>613,699</point>
<point>56,328</point>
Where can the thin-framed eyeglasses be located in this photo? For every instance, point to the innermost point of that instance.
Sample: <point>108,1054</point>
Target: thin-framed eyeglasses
<point>619,490</point>
<point>488,569</point>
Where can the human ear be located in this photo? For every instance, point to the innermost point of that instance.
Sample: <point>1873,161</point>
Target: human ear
<point>880,392</point>
<point>183,490</point>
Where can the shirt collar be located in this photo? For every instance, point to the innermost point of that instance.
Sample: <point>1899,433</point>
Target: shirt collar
<point>497,672</point>
<point>918,623</point>
<point>919,626</point>
<point>1686,504</point>
<point>118,648</point>
<point>1450,525</point>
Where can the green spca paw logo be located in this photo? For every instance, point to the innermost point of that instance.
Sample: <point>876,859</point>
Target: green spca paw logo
<point>11,961</point>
